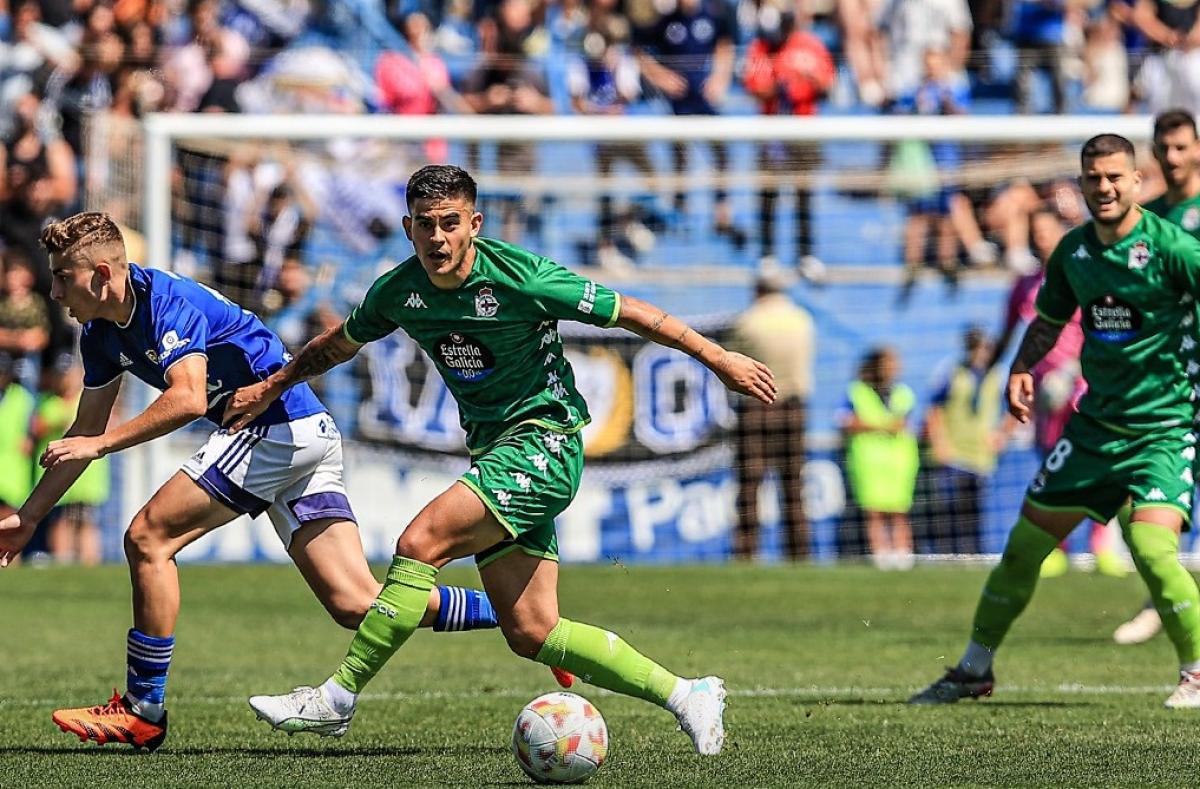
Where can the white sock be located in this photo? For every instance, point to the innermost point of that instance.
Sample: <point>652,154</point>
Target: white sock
<point>977,660</point>
<point>682,688</point>
<point>339,698</point>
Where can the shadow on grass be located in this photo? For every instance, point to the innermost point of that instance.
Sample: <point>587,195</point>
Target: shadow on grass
<point>288,753</point>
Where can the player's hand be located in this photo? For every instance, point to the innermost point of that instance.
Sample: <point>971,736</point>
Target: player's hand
<point>73,448</point>
<point>248,404</point>
<point>745,375</point>
<point>14,534</point>
<point>671,83</point>
<point>1020,396</point>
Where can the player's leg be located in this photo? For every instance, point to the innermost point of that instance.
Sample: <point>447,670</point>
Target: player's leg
<point>454,525</point>
<point>524,584</point>
<point>879,541</point>
<point>1153,539</point>
<point>177,515</point>
<point>329,555</point>
<point>902,541</point>
<point>1006,592</point>
<point>750,466</point>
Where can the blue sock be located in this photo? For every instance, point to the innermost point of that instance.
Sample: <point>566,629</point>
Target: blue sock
<point>464,609</point>
<point>148,660</point>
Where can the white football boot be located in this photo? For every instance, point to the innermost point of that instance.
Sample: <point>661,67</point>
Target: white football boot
<point>1187,695</point>
<point>1140,629</point>
<point>304,709</point>
<point>701,715</point>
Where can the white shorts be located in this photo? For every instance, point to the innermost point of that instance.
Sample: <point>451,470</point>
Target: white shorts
<point>291,471</point>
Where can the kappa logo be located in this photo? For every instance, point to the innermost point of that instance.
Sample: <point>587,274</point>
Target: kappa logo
<point>125,360</point>
<point>1139,255</point>
<point>1156,494</point>
<point>485,303</point>
<point>415,302</point>
<point>1081,253</point>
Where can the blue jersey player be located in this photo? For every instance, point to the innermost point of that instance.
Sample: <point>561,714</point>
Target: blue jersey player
<point>197,348</point>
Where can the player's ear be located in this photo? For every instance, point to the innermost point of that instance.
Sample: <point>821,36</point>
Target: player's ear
<point>476,223</point>
<point>1137,182</point>
<point>103,272</point>
<point>407,222</point>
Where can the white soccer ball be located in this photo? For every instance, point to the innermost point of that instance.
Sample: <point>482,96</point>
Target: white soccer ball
<point>560,738</point>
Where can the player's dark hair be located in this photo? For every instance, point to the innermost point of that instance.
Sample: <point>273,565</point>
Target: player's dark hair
<point>79,232</point>
<point>1105,145</point>
<point>440,182</point>
<point>870,369</point>
<point>1174,119</point>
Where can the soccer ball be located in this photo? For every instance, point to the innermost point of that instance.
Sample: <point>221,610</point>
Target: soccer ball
<point>560,738</point>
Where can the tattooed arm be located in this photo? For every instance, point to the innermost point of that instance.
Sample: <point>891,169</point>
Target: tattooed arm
<point>1038,340</point>
<point>324,352</point>
<point>739,373</point>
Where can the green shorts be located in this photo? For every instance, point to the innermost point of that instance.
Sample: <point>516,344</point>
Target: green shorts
<point>526,478</point>
<point>1095,469</point>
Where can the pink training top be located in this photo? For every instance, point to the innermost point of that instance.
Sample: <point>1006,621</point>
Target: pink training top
<point>1021,302</point>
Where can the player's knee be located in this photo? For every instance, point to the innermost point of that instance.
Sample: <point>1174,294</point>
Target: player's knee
<point>418,545</point>
<point>348,610</point>
<point>143,540</point>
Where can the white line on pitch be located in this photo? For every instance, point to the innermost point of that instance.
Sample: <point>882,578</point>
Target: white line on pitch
<point>816,693</point>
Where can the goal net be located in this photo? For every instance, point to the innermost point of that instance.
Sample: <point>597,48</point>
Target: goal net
<point>294,217</point>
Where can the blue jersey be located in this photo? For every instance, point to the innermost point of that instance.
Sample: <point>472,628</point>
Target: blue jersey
<point>175,317</point>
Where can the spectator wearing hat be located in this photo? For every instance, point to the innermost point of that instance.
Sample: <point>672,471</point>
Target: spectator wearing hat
<point>780,333</point>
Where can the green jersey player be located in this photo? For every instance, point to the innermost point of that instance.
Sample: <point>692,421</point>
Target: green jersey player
<point>487,313</point>
<point>1133,276</point>
<point>1177,151</point>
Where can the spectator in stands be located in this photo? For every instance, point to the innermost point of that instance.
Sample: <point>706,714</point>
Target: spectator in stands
<point>289,306</point>
<point>185,67</point>
<point>788,70</point>
<point>506,82</point>
<point>947,211</point>
<point>24,313</point>
<point>966,432</point>
<point>912,28</point>
<point>881,456</point>
<point>688,55</point>
<point>16,462</point>
<point>603,80</point>
<point>32,50</point>
<point>277,228</point>
<point>456,39</point>
<point>862,41</point>
<point>74,534</point>
<point>88,89</point>
<point>1106,66</point>
<point>1039,33</point>
<point>1170,73</point>
<point>227,59</point>
<point>418,83</point>
<point>37,167</point>
<point>777,331</point>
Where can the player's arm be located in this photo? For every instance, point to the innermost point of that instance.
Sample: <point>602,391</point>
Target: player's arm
<point>95,409</point>
<point>738,372</point>
<point>1039,338</point>
<point>324,352</point>
<point>184,400</point>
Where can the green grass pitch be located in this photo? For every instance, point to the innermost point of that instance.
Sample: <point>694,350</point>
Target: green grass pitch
<point>818,661</point>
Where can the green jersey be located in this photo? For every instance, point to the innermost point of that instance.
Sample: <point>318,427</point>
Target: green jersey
<point>1137,303</point>
<point>1186,214</point>
<point>494,339</point>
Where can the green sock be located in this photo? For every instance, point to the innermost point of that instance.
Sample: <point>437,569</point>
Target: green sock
<point>393,617</point>
<point>1155,552</point>
<point>604,659</point>
<point>1011,584</point>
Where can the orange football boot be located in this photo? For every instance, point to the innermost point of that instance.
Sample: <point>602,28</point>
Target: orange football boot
<point>112,722</point>
<point>565,678</point>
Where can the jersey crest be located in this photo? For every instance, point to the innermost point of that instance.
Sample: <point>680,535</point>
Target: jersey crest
<point>485,303</point>
<point>1139,255</point>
